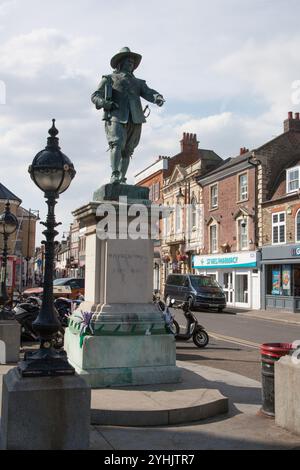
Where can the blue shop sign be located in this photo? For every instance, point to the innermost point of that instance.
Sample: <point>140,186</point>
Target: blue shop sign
<point>230,260</point>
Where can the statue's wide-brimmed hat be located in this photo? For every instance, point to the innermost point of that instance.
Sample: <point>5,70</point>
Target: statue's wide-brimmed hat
<point>125,52</point>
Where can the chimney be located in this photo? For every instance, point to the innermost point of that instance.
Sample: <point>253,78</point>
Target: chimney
<point>243,150</point>
<point>292,123</point>
<point>189,143</point>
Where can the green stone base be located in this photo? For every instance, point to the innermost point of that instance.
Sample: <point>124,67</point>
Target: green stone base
<point>106,361</point>
<point>113,191</point>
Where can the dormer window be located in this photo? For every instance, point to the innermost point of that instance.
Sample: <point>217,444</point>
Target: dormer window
<point>292,179</point>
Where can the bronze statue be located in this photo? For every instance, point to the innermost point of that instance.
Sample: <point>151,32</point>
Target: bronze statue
<point>119,94</point>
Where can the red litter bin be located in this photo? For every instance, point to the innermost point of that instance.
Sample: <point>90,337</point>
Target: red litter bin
<point>270,353</point>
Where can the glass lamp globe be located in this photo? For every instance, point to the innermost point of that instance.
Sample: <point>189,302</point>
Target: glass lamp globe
<point>51,170</point>
<point>8,222</point>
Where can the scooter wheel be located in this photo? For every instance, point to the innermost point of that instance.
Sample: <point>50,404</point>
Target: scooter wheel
<point>200,338</point>
<point>174,327</point>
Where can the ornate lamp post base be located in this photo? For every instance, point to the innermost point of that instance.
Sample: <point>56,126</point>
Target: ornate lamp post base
<point>45,363</point>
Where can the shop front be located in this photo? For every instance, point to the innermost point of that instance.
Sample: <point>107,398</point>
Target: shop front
<point>237,273</point>
<point>281,277</point>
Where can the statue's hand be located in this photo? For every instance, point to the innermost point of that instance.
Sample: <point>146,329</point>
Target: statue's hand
<point>110,105</point>
<point>159,100</point>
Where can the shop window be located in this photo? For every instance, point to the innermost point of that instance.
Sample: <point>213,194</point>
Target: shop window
<point>282,281</point>
<point>278,228</point>
<point>292,180</point>
<point>297,228</point>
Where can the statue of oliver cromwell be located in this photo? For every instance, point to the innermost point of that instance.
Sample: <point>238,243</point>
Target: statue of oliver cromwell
<point>119,94</point>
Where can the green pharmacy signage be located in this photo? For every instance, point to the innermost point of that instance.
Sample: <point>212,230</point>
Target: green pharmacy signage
<point>228,260</point>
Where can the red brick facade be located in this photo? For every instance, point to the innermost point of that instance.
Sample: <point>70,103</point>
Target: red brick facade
<point>229,209</point>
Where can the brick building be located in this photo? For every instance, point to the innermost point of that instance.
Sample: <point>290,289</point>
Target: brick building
<point>182,234</point>
<point>281,242</point>
<point>230,235</point>
<point>235,198</point>
<point>167,177</point>
<point>21,244</point>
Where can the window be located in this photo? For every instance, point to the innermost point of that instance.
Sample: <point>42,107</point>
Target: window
<point>156,188</point>
<point>213,239</point>
<point>167,222</point>
<point>292,180</point>
<point>194,213</point>
<point>178,218</point>
<point>297,230</point>
<point>243,187</point>
<point>214,196</point>
<point>243,234</point>
<point>278,228</point>
<point>151,193</point>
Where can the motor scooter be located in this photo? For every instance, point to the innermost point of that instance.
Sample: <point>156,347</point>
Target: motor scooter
<point>26,313</point>
<point>193,329</point>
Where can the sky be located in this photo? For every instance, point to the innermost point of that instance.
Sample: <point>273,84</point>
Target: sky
<point>228,70</point>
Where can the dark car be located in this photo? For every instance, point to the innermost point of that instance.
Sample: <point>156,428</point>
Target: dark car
<point>199,291</point>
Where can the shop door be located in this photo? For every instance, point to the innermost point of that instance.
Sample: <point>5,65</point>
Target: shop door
<point>241,290</point>
<point>228,287</point>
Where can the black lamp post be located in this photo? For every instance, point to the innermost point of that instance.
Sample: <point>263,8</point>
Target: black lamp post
<point>52,172</point>
<point>8,225</point>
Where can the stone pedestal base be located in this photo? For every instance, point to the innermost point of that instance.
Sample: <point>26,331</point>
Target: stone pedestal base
<point>44,413</point>
<point>287,397</point>
<point>128,342</point>
<point>105,361</point>
<point>10,335</point>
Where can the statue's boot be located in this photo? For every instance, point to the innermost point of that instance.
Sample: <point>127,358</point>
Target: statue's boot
<point>124,164</point>
<point>115,159</point>
<point>115,177</point>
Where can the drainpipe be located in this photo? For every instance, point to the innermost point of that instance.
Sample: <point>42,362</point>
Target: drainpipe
<point>262,267</point>
<point>255,165</point>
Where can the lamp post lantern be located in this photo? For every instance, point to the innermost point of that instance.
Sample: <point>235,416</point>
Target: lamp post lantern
<point>8,225</point>
<point>52,172</point>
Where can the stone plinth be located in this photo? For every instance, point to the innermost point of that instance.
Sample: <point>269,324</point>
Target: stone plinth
<point>287,396</point>
<point>130,344</point>
<point>10,336</point>
<point>46,413</point>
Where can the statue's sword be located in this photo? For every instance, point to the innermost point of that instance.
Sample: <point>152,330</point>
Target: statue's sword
<point>107,97</point>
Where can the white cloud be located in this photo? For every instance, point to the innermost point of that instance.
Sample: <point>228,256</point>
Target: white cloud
<point>224,74</point>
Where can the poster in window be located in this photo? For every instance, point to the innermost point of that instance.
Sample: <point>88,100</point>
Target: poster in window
<point>276,282</point>
<point>286,279</point>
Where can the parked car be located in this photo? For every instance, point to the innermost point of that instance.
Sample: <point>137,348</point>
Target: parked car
<point>69,287</point>
<point>198,290</point>
<point>76,285</point>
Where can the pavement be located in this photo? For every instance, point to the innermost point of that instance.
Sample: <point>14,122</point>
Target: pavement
<point>241,428</point>
<point>270,314</point>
